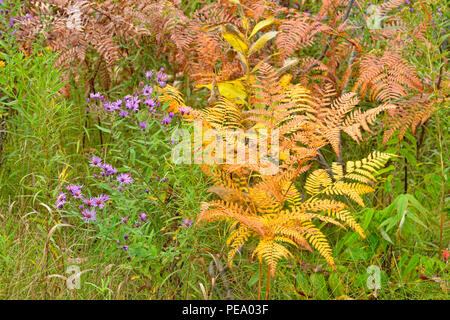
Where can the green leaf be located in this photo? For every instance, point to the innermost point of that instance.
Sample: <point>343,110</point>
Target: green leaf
<point>336,285</point>
<point>319,286</point>
<point>385,236</point>
<point>103,129</point>
<point>413,262</point>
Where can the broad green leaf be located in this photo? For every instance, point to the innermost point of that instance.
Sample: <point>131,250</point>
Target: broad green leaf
<point>262,41</point>
<point>385,236</point>
<point>336,285</point>
<point>236,42</point>
<point>319,286</point>
<point>103,129</point>
<point>262,24</point>
<point>413,262</point>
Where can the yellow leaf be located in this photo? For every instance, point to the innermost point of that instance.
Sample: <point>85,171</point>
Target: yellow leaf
<point>245,24</point>
<point>232,90</point>
<point>135,277</point>
<point>236,42</point>
<point>151,198</point>
<point>63,175</point>
<point>284,155</point>
<point>262,41</point>
<point>285,80</point>
<point>262,24</point>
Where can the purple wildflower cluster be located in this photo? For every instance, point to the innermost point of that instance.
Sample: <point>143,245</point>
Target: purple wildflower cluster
<point>107,169</point>
<point>89,205</point>
<point>130,106</point>
<point>15,22</point>
<point>161,78</point>
<point>89,213</point>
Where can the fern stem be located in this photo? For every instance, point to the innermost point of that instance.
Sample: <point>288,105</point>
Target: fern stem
<point>441,202</point>
<point>259,280</point>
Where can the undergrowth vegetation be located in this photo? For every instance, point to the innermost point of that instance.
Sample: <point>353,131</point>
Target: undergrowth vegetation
<point>346,198</point>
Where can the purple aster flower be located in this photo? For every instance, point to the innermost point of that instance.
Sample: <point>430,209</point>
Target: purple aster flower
<point>166,120</point>
<point>95,95</point>
<point>95,161</point>
<point>147,91</point>
<point>123,113</point>
<point>171,114</point>
<point>81,207</point>
<point>186,223</point>
<point>75,190</point>
<point>143,217</point>
<point>109,106</point>
<point>125,236</point>
<point>147,191</point>
<point>150,102</point>
<point>124,178</point>
<point>109,169</point>
<point>138,224</point>
<point>89,202</point>
<point>117,104</point>
<point>164,179</point>
<point>161,78</point>
<point>100,201</point>
<point>27,16</point>
<point>143,125</point>
<point>89,215</point>
<point>125,248</point>
<point>61,196</point>
<point>184,110</point>
<point>411,9</point>
<point>149,74</point>
<point>59,204</point>
<point>174,141</point>
<point>119,188</point>
<point>127,98</point>
<point>124,220</point>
